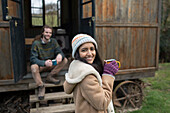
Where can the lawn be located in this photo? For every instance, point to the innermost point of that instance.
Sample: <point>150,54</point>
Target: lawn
<point>157,94</point>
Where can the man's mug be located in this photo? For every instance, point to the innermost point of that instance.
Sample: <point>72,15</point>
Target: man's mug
<point>110,60</point>
<point>54,62</point>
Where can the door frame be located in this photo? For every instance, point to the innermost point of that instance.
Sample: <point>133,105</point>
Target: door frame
<point>91,19</point>
<point>17,39</point>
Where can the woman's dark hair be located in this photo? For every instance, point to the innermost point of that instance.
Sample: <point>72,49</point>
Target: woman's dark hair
<point>97,63</point>
<point>38,37</point>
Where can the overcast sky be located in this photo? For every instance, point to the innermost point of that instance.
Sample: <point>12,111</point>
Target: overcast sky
<point>37,3</point>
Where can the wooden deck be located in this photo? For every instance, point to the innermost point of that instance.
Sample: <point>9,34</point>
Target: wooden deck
<point>27,83</point>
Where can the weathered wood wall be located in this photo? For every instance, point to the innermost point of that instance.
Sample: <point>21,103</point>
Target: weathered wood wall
<point>6,67</point>
<point>1,14</point>
<point>6,71</point>
<point>128,30</point>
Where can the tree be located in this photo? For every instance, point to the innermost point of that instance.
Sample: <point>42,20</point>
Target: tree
<point>165,32</point>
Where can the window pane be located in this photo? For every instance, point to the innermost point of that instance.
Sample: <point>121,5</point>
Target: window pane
<point>14,9</point>
<point>36,3</point>
<point>37,12</point>
<point>86,1</point>
<point>37,21</point>
<point>52,13</point>
<point>87,10</point>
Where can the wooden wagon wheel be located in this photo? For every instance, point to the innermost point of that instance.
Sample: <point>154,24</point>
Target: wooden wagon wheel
<point>128,94</point>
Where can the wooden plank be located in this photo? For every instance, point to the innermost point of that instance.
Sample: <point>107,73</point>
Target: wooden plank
<point>104,10</point>
<point>111,24</point>
<point>1,12</point>
<point>135,75</point>
<point>129,71</point>
<point>128,49</point>
<point>99,11</point>
<point>142,47</point>
<point>133,48</point>
<point>33,85</point>
<point>6,67</point>
<point>54,109</point>
<point>123,11</point>
<point>146,10</point>
<point>121,46</point>
<point>13,87</point>
<point>28,41</point>
<point>138,48</point>
<point>158,32</point>
<point>129,9</point>
<point>153,47</point>
<point>6,82</point>
<point>51,96</point>
<point>4,24</point>
<point>111,10</point>
<point>117,11</point>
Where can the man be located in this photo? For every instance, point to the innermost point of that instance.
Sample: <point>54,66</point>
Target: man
<point>44,50</point>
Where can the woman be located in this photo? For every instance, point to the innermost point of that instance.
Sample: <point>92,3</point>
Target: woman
<point>90,82</point>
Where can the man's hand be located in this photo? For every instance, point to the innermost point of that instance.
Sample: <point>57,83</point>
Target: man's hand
<point>59,58</point>
<point>48,63</point>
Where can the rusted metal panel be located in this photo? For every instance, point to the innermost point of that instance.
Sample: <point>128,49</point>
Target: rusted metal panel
<point>6,71</point>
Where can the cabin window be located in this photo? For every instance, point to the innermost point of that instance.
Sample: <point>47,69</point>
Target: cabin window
<point>46,12</point>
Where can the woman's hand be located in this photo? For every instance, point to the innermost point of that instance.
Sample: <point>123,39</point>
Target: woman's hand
<point>111,68</point>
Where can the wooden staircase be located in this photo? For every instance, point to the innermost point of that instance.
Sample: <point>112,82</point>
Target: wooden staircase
<point>55,102</point>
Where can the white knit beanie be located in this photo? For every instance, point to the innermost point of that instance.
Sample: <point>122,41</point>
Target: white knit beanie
<point>80,39</point>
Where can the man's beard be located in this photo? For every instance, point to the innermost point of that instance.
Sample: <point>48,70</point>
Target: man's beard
<point>45,38</point>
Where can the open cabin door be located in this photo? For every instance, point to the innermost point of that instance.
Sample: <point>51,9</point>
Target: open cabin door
<point>12,12</point>
<point>87,17</point>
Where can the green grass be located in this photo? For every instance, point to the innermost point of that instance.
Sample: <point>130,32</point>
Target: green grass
<point>157,96</point>
<point>50,20</point>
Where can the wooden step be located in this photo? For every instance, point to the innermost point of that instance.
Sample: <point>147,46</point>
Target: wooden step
<point>65,108</point>
<point>51,96</point>
<point>33,85</point>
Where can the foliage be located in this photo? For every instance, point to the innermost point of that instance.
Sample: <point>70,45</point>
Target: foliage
<point>52,15</point>
<point>165,32</point>
<point>157,96</point>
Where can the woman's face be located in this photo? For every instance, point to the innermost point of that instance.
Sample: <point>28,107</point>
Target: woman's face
<point>87,51</point>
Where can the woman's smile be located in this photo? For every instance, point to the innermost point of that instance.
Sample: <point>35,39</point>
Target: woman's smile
<point>88,52</point>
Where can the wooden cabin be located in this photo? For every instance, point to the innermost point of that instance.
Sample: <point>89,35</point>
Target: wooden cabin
<point>126,30</point>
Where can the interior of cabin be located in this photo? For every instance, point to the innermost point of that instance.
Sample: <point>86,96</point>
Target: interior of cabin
<point>62,15</point>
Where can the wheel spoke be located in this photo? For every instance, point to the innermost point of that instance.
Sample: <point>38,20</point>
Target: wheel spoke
<point>121,98</point>
<point>124,104</point>
<point>123,91</point>
<point>136,95</point>
<point>132,103</point>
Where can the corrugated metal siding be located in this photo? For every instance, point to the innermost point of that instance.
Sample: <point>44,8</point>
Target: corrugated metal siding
<point>127,30</point>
